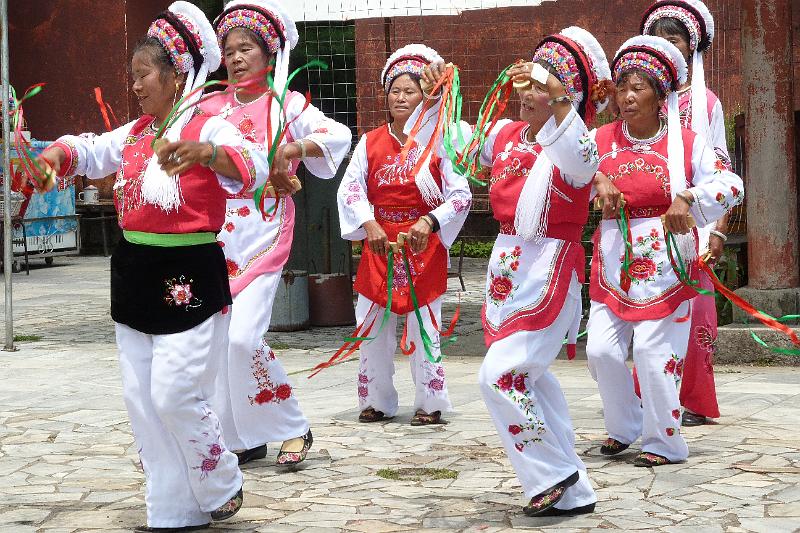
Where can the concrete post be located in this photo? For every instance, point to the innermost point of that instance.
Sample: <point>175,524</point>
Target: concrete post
<point>771,188</point>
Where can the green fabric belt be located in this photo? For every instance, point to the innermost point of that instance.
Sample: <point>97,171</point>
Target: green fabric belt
<point>169,240</point>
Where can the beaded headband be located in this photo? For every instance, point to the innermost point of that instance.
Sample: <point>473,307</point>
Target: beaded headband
<point>404,65</point>
<point>699,34</point>
<point>180,39</point>
<point>260,21</point>
<point>652,62</point>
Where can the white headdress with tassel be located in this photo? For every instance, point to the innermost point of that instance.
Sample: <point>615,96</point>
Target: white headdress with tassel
<point>407,60</point>
<point>530,219</point>
<point>699,23</point>
<point>157,187</point>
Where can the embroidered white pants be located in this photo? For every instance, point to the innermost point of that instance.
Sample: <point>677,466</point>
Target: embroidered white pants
<point>253,396</point>
<point>166,380</point>
<point>376,372</point>
<point>659,347</point>
<point>529,409</point>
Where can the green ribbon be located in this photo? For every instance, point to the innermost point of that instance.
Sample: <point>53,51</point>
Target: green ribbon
<point>471,164</point>
<point>680,266</point>
<point>624,225</point>
<point>426,340</point>
<point>282,124</point>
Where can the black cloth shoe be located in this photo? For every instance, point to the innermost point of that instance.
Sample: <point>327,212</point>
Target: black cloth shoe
<point>650,459</point>
<point>544,501</point>
<point>229,508</point>
<point>259,452</point>
<point>143,529</point>
<point>692,419</point>
<point>554,511</point>
<point>613,447</point>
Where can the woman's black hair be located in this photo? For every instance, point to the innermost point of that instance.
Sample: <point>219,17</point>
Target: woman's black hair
<point>645,76</point>
<point>158,54</point>
<point>670,26</point>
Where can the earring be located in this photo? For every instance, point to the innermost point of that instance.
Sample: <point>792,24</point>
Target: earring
<point>175,98</point>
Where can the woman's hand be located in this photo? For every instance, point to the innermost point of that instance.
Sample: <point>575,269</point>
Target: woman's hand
<point>715,248</point>
<point>51,159</point>
<point>279,173</point>
<point>418,235</point>
<point>431,76</point>
<point>608,194</point>
<point>177,157</point>
<point>377,241</point>
<point>676,219</point>
<point>521,72</point>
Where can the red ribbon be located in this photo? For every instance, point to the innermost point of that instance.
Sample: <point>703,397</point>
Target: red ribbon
<point>746,306</point>
<point>346,350</point>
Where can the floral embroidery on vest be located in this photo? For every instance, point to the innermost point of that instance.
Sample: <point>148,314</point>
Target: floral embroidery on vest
<point>639,165</point>
<point>268,392</point>
<point>501,286</point>
<point>643,269</point>
<point>248,128</point>
<point>179,293</point>
<point>514,385</point>
<point>395,172</point>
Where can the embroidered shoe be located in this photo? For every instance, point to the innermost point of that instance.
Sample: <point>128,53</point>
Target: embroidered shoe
<point>148,529</point>
<point>421,418</point>
<point>371,415</point>
<point>259,452</point>
<point>554,511</point>
<point>229,508</point>
<point>288,458</point>
<point>613,447</point>
<point>650,459</point>
<point>544,501</point>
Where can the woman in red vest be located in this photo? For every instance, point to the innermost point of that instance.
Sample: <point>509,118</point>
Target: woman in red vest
<point>169,284</point>
<point>640,287</point>
<point>688,25</point>
<point>379,198</point>
<point>542,170</point>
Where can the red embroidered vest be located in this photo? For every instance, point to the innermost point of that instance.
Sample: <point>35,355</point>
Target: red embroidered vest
<point>513,159</point>
<point>203,207</point>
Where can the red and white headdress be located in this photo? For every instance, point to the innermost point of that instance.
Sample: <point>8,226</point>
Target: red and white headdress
<point>410,59</point>
<point>699,23</point>
<point>582,67</point>
<point>271,22</point>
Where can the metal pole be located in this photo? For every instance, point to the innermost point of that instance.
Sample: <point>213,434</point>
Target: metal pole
<point>7,244</point>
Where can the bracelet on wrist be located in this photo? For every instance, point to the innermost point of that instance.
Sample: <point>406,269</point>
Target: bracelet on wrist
<point>213,155</point>
<point>686,197</point>
<point>719,234</point>
<point>427,220</point>
<point>560,100</point>
<point>302,144</point>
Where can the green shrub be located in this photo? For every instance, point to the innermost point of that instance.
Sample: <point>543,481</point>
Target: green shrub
<point>481,249</point>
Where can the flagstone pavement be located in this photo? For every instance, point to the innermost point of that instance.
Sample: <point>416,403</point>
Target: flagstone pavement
<point>68,464</point>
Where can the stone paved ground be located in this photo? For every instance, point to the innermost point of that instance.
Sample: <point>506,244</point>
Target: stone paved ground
<point>67,462</point>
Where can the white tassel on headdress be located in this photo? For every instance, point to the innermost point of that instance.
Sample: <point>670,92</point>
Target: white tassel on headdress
<point>530,220</point>
<point>700,123</point>
<point>687,246</point>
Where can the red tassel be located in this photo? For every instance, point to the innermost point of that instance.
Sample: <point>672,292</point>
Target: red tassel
<point>571,351</point>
